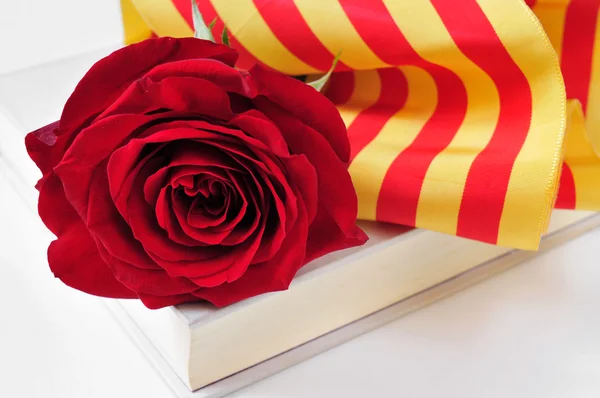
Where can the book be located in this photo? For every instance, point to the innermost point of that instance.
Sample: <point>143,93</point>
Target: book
<point>213,352</point>
<point>331,300</point>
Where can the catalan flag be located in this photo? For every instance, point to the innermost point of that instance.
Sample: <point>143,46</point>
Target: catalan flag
<point>468,117</point>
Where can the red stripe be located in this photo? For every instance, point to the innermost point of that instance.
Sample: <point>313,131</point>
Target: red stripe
<point>567,193</point>
<point>379,31</point>
<point>401,188</point>
<point>369,122</point>
<point>286,22</point>
<point>487,181</point>
<point>209,13</point>
<point>578,48</point>
<point>340,87</point>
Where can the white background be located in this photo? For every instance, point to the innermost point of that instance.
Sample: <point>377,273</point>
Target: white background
<point>533,331</point>
<point>38,31</point>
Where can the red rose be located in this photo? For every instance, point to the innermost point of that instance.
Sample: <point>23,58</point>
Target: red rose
<point>172,177</point>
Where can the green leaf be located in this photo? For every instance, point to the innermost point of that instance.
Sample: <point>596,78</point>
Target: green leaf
<point>211,25</point>
<point>320,83</point>
<point>225,36</point>
<point>201,31</point>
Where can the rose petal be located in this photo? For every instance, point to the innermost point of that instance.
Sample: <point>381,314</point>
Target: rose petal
<point>44,147</point>
<point>215,140</point>
<point>247,219</point>
<point>175,132</point>
<point>278,213</point>
<point>185,159</point>
<point>269,276</point>
<point>215,269</point>
<point>98,141</point>
<point>110,76</point>
<point>179,94</point>
<point>108,227</point>
<point>271,175</point>
<point>205,262</point>
<point>140,217</point>
<point>121,188</point>
<point>241,262</point>
<point>53,207</point>
<point>238,204</point>
<point>153,187</point>
<point>120,182</point>
<point>73,257</point>
<point>326,236</point>
<point>208,236</point>
<point>127,158</point>
<point>219,73</point>
<point>336,192</point>
<point>304,176</point>
<point>168,222</point>
<point>146,281</point>
<point>197,216</point>
<point>256,124</point>
<point>89,150</point>
<point>212,272</point>
<point>203,130</point>
<point>306,105</point>
<point>165,253</point>
<point>206,272</point>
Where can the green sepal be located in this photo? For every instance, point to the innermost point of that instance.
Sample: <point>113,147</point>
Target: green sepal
<point>211,25</point>
<point>320,83</point>
<point>225,36</point>
<point>201,31</point>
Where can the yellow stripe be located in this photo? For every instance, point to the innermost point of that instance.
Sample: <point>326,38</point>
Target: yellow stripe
<point>593,103</point>
<point>552,16</point>
<point>371,165</point>
<point>582,161</point>
<point>163,18</point>
<point>367,87</point>
<point>329,22</point>
<point>250,29</point>
<point>441,193</point>
<point>135,29</point>
<point>529,200</point>
<point>579,143</point>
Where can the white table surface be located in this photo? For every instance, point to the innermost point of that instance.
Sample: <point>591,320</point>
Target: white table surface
<point>533,331</point>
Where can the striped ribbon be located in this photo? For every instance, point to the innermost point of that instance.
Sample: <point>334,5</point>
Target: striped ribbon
<point>456,109</point>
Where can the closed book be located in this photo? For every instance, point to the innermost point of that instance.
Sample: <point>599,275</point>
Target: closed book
<point>333,299</point>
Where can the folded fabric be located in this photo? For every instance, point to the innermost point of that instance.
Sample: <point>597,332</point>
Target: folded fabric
<point>456,110</point>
